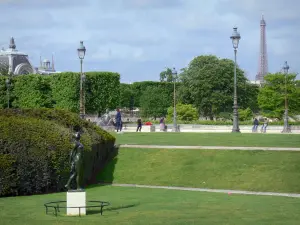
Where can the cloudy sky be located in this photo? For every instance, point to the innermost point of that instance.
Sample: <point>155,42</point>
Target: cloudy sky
<point>138,38</point>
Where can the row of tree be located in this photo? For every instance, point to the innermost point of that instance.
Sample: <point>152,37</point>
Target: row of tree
<point>207,85</point>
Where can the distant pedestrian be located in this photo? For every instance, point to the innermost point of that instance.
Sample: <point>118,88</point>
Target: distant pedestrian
<point>255,125</point>
<point>118,121</point>
<point>162,124</point>
<point>264,126</point>
<point>139,125</point>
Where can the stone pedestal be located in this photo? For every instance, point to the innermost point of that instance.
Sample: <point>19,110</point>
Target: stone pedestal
<point>76,199</point>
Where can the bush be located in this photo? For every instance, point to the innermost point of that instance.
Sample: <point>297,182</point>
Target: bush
<point>35,147</point>
<point>184,112</point>
<point>245,114</point>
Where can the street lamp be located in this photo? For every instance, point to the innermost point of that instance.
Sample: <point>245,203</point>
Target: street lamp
<point>7,82</point>
<point>235,37</point>
<point>174,76</point>
<point>286,127</point>
<point>81,53</point>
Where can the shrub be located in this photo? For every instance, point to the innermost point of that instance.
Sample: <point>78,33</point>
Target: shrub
<point>35,147</point>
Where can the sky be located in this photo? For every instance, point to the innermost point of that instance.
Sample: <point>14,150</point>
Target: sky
<point>139,38</point>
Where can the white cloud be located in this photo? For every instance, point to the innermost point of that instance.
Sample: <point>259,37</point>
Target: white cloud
<point>142,35</point>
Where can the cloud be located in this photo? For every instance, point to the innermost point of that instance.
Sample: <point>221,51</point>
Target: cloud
<point>138,38</point>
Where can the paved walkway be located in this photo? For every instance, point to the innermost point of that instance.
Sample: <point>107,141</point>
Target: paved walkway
<point>211,147</point>
<point>211,190</point>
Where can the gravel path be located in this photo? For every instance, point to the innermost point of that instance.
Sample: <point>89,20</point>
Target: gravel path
<point>210,147</point>
<point>211,190</point>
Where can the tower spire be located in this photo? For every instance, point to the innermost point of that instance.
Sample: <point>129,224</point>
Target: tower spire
<point>263,56</point>
<point>41,61</point>
<point>12,44</point>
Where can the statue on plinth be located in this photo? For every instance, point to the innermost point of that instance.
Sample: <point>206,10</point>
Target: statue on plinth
<point>76,161</point>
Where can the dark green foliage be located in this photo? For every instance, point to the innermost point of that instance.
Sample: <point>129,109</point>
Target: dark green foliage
<point>65,90</point>
<point>126,94</point>
<point>61,91</point>
<point>32,91</point>
<point>102,91</point>
<point>35,146</point>
<point>166,75</point>
<point>155,101</point>
<point>3,93</point>
<point>207,83</point>
<point>271,98</point>
<point>139,88</point>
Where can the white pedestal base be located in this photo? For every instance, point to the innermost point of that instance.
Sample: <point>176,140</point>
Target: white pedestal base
<point>76,199</point>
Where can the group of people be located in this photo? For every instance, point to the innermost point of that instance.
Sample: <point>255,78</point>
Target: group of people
<point>263,127</point>
<point>119,123</point>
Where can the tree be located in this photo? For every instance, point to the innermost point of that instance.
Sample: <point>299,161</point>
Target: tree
<point>184,112</point>
<point>207,83</point>
<point>155,101</point>
<point>126,96</point>
<point>166,75</point>
<point>271,97</point>
<point>245,114</point>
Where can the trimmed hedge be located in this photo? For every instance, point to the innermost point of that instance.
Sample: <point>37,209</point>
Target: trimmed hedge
<point>61,91</point>
<point>35,147</point>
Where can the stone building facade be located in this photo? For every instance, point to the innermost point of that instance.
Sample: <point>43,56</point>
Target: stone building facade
<point>17,63</point>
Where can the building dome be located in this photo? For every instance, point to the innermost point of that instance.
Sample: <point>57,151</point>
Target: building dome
<point>46,61</point>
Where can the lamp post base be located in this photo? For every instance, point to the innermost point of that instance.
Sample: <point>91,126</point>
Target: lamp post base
<point>286,129</point>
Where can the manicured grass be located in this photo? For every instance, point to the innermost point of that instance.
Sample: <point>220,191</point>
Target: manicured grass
<point>211,139</point>
<point>238,170</point>
<point>133,206</point>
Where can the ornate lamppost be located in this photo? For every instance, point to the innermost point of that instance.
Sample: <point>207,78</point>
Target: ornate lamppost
<point>81,53</point>
<point>8,84</point>
<point>235,37</point>
<point>286,127</point>
<point>174,76</point>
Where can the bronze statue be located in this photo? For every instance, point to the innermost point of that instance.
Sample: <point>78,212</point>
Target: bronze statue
<point>76,161</point>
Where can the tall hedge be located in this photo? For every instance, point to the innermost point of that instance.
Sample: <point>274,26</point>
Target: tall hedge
<point>35,146</point>
<point>102,91</point>
<point>101,88</point>
<point>3,93</point>
<point>32,91</point>
<point>139,87</point>
<point>61,91</point>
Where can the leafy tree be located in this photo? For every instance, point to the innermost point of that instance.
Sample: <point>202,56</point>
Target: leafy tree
<point>245,114</point>
<point>207,83</point>
<point>126,95</point>
<point>138,89</point>
<point>166,75</point>
<point>155,101</point>
<point>271,97</point>
<point>184,112</point>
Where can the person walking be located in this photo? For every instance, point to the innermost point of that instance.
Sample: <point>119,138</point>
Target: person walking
<point>264,126</point>
<point>139,125</point>
<point>162,124</point>
<point>255,125</point>
<point>118,121</point>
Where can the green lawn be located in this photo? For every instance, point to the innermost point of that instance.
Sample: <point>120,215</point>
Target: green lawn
<point>211,139</point>
<point>240,170</point>
<point>133,206</point>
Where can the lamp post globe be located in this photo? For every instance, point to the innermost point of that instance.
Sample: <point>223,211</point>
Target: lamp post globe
<point>174,76</point>
<point>81,50</point>
<point>235,37</point>
<point>81,53</point>
<point>286,127</point>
